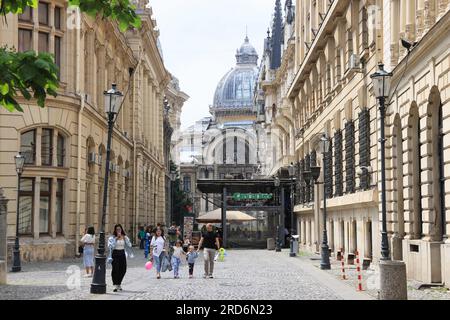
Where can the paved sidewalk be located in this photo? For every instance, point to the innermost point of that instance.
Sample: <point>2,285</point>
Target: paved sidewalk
<point>246,274</point>
<point>370,279</point>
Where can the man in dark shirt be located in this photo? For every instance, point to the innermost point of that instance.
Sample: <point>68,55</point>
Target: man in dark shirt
<point>210,242</point>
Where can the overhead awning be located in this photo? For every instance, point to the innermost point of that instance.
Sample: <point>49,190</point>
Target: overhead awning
<point>215,216</point>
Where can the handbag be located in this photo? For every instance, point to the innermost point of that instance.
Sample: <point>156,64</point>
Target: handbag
<point>80,249</point>
<point>165,264</point>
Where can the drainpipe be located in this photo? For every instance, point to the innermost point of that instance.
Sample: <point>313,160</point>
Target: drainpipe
<point>80,112</point>
<point>136,74</point>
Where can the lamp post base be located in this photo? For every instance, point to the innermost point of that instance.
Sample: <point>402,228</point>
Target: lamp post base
<point>98,285</point>
<point>16,261</point>
<point>325,257</point>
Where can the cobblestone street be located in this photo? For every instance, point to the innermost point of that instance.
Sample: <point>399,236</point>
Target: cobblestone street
<point>246,274</point>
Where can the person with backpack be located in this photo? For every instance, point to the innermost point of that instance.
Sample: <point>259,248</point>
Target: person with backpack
<point>88,242</point>
<point>157,246</point>
<point>141,237</point>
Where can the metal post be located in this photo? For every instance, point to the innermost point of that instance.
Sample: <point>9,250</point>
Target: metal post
<point>98,285</point>
<point>325,257</point>
<point>282,216</point>
<point>292,253</point>
<point>224,217</point>
<point>16,252</point>
<point>384,237</point>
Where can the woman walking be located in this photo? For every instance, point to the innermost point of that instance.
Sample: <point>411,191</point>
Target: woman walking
<point>88,242</point>
<point>158,250</point>
<point>119,247</point>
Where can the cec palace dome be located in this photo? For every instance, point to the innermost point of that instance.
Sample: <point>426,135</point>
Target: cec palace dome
<point>236,88</point>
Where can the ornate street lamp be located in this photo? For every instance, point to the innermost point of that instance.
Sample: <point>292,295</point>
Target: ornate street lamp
<point>277,183</point>
<point>291,170</point>
<point>324,146</point>
<point>113,102</point>
<point>19,160</point>
<point>392,273</point>
<point>381,86</point>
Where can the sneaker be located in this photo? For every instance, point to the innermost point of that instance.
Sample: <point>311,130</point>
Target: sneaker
<point>211,276</point>
<point>205,276</point>
<point>115,288</point>
<point>120,288</point>
<point>191,276</point>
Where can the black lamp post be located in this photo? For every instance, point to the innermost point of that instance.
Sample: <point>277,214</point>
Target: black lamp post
<point>312,175</point>
<point>291,170</point>
<point>277,239</point>
<point>19,159</point>
<point>325,252</point>
<point>381,86</point>
<point>173,177</point>
<point>113,102</point>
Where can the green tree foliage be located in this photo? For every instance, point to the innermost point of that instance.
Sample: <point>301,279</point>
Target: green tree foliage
<point>34,75</point>
<point>181,199</point>
<point>121,11</point>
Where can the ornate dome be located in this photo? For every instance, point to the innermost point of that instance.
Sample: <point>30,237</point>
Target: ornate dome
<point>236,88</point>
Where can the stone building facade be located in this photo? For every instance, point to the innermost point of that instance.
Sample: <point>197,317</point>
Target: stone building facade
<point>225,144</point>
<point>337,46</point>
<point>65,142</point>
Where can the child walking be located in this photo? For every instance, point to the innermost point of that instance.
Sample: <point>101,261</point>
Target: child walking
<point>191,256</point>
<point>177,255</point>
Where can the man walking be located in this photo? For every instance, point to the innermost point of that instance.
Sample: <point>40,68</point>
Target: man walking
<point>210,242</point>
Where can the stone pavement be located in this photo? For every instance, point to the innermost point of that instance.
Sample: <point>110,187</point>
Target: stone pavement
<point>370,277</point>
<point>246,274</point>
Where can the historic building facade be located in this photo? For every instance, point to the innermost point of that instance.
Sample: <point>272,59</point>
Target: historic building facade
<point>338,45</point>
<point>65,142</point>
<point>224,145</point>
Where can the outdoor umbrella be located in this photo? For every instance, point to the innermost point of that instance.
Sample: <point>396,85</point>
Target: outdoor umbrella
<point>215,216</point>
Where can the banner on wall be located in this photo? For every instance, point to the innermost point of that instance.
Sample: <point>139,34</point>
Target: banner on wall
<point>188,227</point>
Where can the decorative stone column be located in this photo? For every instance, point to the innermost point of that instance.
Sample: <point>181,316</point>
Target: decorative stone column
<point>3,239</point>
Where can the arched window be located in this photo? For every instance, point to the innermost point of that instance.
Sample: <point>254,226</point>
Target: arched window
<point>49,138</point>
<point>28,146</point>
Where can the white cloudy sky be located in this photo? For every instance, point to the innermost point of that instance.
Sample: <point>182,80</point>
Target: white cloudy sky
<point>199,40</point>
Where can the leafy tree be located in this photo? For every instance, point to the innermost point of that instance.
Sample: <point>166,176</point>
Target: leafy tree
<point>35,75</point>
<point>181,199</point>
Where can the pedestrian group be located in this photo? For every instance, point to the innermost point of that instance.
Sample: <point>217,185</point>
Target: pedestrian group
<point>166,253</point>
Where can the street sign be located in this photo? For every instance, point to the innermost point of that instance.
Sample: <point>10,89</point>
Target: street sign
<point>252,196</point>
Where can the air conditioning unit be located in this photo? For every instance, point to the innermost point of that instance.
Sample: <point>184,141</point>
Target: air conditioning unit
<point>92,157</point>
<point>354,62</point>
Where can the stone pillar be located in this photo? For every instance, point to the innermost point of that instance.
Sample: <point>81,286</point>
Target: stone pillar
<point>393,280</point>
<point>3,238</point>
